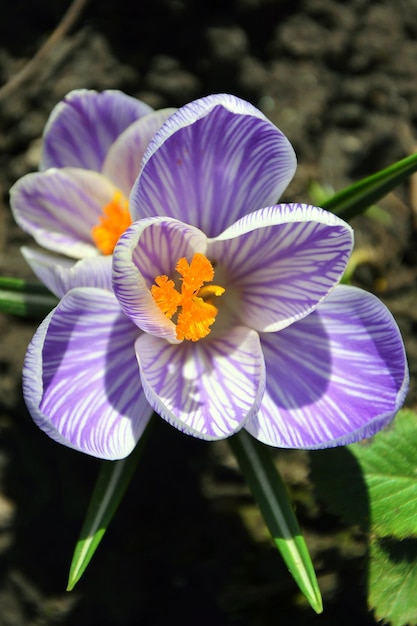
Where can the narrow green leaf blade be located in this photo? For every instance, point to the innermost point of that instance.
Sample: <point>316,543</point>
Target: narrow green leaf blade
<point>112,483</point>
<point>393,580</point>
<point>26,304</point>
<point>271,496</point>
<point>19,284</point>
<point>356,198</point>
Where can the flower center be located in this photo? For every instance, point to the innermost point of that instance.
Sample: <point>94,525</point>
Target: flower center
<point>114,221</point>
<point>197,312</point>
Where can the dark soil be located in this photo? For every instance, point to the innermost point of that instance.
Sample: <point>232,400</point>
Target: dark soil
<point>187,545</point>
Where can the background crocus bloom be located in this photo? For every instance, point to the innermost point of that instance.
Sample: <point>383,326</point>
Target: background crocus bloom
<point>225,315</point>
<point>77,205</point>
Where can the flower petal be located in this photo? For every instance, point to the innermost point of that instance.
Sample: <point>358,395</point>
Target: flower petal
<point>61,274</point>
<point>282,261</point>
<point>80,379</point>
<point>82,127</point>
<point>124,158</point>
<point>150,248</point>
<point>213,161</point>
<point>337,376</point>
<point>208,389</point>
<point>60,207</point>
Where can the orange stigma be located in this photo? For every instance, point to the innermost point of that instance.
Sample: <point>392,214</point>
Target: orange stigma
<point>114,221</point>
<point>197,312</point>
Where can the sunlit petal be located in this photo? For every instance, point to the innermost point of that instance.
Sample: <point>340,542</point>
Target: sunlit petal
<point>82,127</point>
<point>208,389</point>
<point>123,160</point>
<point>60,274</point>
<point>337,376</point>
<point>281,262</point>
<point>213,161</point>
<point>150,248</point>
<point>81,380</point>
<point>59,207</point>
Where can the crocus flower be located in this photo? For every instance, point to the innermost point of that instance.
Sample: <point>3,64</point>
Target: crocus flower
<point>226,311</point>
<point>77,204</point>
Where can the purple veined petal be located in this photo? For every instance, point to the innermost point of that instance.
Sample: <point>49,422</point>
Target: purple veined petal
<point>81,381</point>
<point>282,261</point>
<point>59,208</point>
<point>151,248</point>
<point>333,378</point>
<point>123,161</point>
<point>61,275</point>
<point>213,161</point>
<point>209,388</point>
<point>83,126</point>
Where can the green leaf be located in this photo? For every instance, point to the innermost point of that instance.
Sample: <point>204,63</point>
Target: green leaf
<point>356,198</point>
<point>389,467</point>
<point>271,496</point>
<point>26,299</point>
<point>377,486</point>
<point>393,580</point>
<point>19,284</point>
<point>26,304</point>
<point>111,485</point>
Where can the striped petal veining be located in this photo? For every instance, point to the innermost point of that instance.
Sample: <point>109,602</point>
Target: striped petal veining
<point>81,380</point>
<point>213,161</point>
<point>61,274</point>
<point>124,157</point>
<point>82,127</point>
<point>282,260</point>
<point>150,248</point>
<point>59,207</point>
<point>209,389</point>
<point>337,376</point>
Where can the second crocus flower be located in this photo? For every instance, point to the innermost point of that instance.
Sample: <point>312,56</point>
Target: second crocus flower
<point>77,204</point>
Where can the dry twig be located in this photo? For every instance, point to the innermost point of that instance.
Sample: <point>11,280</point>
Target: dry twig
<point>31,66</point>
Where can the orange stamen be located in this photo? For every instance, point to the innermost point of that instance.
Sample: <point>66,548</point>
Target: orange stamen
<point>114,221</point>
<point>166,296</point>
<point>197,314</point>
<point>195,319</point>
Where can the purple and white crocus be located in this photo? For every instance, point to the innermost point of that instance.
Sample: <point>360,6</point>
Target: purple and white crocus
<point>92,148</point>
<point>225,312</point>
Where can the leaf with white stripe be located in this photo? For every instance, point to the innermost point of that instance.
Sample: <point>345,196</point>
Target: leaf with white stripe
<point>111,485</point>
<point>271,496</point>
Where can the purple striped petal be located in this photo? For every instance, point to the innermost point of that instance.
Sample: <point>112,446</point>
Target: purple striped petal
<point>124,158</point>
<point>212,162</point>
<point>61,274</point>
<point>208,389</point>
<point>282,261</point>
<point>337,376</point>
<point>80,379</point>
<point>150,248</point>
<point>60,207</point>
<point>82,127</point>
